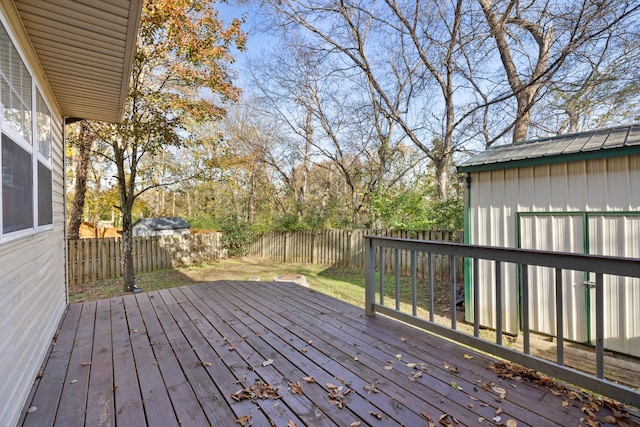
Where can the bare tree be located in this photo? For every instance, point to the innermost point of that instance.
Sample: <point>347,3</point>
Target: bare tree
<point>536,40</point>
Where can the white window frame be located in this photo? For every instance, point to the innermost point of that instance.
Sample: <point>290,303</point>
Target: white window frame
<point>32,148</point>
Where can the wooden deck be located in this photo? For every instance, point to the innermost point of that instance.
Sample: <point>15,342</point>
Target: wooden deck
<point>207,354</point>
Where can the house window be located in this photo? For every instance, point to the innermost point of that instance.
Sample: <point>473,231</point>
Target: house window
<point>26,197</point>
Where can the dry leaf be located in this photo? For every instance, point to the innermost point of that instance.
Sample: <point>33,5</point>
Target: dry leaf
<point>371,388</point>
<point>499,410</point>
<point>296,388</point>
<point>85,364</point>
<point>291,423</point>
<point>267,362</point>
<point>456,386</point>
<point>499,390</point>
<point>388,368</point>
<point>244,420</point>
<point>331,386</point>
<point>403,339</point>
<point>375,414</point>
<point>355,424</point>
<point>411,365</point>
<point>453,369</point>
<point>309,379</point>
<point>398,356</point>
<point>232,347</point>
<point>206,364</point>
<point>565,403</point>
<point>511,423</point>
<point>481,419</point>
<point>468,356</point>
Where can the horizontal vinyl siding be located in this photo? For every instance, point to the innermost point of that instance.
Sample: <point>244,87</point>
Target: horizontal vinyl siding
<point>32,292</point>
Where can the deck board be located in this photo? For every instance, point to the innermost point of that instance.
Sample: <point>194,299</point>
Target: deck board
<point>177,356</point>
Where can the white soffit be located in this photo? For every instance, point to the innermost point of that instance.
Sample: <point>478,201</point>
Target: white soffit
<point>85,48</point>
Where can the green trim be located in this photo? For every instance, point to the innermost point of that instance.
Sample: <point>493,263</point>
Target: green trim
<point>548,160</point>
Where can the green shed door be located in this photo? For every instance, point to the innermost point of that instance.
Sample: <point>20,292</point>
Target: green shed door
<point>561,233</point>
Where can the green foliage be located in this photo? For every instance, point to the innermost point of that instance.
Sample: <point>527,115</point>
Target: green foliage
<point>236,235</point>
<point>414,209</point>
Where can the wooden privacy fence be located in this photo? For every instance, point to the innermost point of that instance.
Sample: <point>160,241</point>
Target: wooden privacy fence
<point>345,248</point>
<point>98,259</point>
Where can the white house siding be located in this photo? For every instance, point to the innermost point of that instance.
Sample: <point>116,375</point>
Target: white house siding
<point>32,277</point>
<point>601,185</point>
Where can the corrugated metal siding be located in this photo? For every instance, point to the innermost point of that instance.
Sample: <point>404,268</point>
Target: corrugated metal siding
<point>618,236</point>
<point>497,196</point>
<point>562,233</point>
<point>32,296</point>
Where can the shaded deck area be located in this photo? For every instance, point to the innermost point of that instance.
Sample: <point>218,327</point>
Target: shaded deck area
<point>264,353</point>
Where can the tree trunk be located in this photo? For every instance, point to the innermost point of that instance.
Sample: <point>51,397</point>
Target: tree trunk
<point>82,168</point>
<point>127,251</point>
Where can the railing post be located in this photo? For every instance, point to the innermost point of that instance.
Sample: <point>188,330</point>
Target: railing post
<point>370,276</point>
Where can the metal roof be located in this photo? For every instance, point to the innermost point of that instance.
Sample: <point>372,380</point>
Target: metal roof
<point>618,141</point>
<point>85,48</point>
<point>168,223</point>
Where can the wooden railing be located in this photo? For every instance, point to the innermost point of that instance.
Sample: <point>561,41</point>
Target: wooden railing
<point>479,257</point>
<point>99,259</point>
<point>345,248</point>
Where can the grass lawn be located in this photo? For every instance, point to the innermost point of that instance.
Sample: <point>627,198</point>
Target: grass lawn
<point>341,283</point>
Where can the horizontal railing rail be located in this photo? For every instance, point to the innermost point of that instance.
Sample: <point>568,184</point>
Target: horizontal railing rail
<point>376,248</point>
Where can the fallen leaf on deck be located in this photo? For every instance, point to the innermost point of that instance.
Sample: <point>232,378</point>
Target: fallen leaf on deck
<point>258,390</point>
<point>309,379</point>
<point>336,396</point>
<point>443,420</point>
<point>499,410</point>
<point>32,409</point>
<point>415,376</point>
<point>398,356</point>
<point>291,423</point>
<point>511,423</point>
<point>371,388</point>
<point>375,414</point>
<point>467,356</point>
<point>85,364</point>
<point>388,368</point>
<point>403,339</point>
<point>309,342</point>
<point>411,365</point>
<point>296,388</point>
<point>456,386</point>
<point>244,420</point>
<point>204,363</point>
<point>481,419</point>
<point>425,415</point>
<point>453,369</point>
<point>232,347</point>
<point>565,403</point>
<point>355,424</point>
<point>330,386</point>
<point>267,362</point>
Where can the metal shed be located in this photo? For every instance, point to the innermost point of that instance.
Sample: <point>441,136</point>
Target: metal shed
<point>168,226</point>
<point>571,193</point>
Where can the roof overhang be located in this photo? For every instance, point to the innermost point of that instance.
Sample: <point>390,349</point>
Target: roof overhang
<point>85,49</point>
